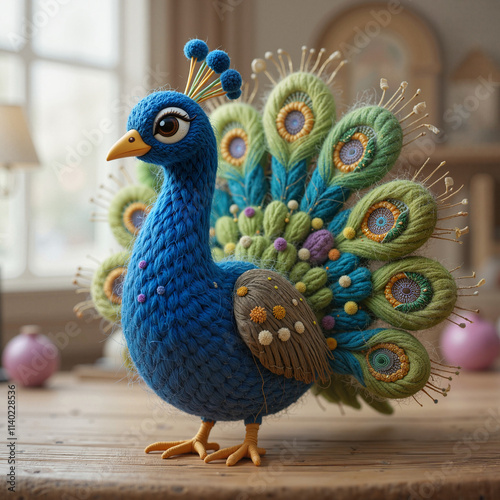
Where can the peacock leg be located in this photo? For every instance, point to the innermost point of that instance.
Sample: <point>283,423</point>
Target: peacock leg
<point>199,444</point>
<point>247,449</point>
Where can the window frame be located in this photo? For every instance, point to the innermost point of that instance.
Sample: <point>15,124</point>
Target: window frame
<point>132,62</point>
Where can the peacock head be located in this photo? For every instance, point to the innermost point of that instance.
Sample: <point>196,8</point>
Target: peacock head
<point>169,128</point>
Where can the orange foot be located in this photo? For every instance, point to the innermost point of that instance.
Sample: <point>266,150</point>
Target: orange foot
<point>247,449</point>
<point>199,444</point>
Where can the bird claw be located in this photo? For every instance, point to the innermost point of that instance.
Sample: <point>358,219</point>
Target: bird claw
<point>235,453</point>
<point>248,449</point>
<point>199,444</point>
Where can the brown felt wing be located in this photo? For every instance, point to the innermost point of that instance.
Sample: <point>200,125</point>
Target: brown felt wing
<point>279,327</point>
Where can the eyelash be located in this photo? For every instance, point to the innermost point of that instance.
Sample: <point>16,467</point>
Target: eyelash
<point>177,115</point>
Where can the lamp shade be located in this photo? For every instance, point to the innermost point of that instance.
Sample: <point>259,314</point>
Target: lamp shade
<point>16,146</point>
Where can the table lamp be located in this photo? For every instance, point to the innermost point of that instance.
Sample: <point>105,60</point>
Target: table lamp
<point>16,146</point>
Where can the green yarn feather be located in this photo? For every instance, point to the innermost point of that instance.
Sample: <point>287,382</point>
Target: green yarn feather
<point>274,219</point>
<point>417,226</point>
<point>104,306</point>
<point>249,226</point>
<point>437,294</point>
<point>320,300</point>
<point>254,252</point>
<point>282,261</point>
<point>298,271</point>
<point>380,155</point>
<point>314,279</point>
<point>298,228</point>
<point>226,230</point>
<point>239,115</point>
<point>315,93</point>
<point>419,365</point>
<point>120,202</point>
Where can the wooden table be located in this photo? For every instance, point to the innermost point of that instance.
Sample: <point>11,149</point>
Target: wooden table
<point>84,439</point>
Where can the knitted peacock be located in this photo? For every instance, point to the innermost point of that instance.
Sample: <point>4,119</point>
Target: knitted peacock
<point>236,299</point>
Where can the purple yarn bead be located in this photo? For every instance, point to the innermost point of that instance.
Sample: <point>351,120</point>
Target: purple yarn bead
<point>249,212</point>
<point>328,322</point>
<point>143,264</point>
<point>280,244</point>
<point>141,298</point>
<point>160,290</point>
<point>319,244</point>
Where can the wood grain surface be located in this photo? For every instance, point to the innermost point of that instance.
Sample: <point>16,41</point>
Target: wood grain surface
<point>84,439</point>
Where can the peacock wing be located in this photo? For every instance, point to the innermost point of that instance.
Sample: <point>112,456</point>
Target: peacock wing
<point>279,327</point>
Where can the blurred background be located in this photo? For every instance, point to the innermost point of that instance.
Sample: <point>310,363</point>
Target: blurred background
<point>77,67</point>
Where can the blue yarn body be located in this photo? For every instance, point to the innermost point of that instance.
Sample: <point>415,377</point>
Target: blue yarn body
<point>184,342</point>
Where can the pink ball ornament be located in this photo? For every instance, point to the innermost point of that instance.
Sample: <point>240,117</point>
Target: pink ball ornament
<point>30,358</point>
<point>474,347</point>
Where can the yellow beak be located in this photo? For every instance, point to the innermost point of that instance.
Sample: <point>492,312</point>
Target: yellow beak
<point>131,144</point>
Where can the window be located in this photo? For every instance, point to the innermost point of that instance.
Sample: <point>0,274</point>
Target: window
<point>65,62</point>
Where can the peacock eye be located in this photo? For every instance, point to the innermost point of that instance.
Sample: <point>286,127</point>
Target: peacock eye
<point>234,145</point>
<point>408,292</point>
<point>355,149</point>
<point>134,216</point>
<point>171,125</point>
<point>386,220</point>
<point>387,362</point>
<point>295,119</point>
<point>113,284</point>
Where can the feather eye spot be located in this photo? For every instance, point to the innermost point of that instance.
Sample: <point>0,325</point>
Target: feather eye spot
<point>387,362</point>
<point>295,120</point>
<point>385,221</point>
<point>355,149</point>
<point>113,284</point>
<point>408,292</point>
<point>234,146</point>
<point>134,216</point>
